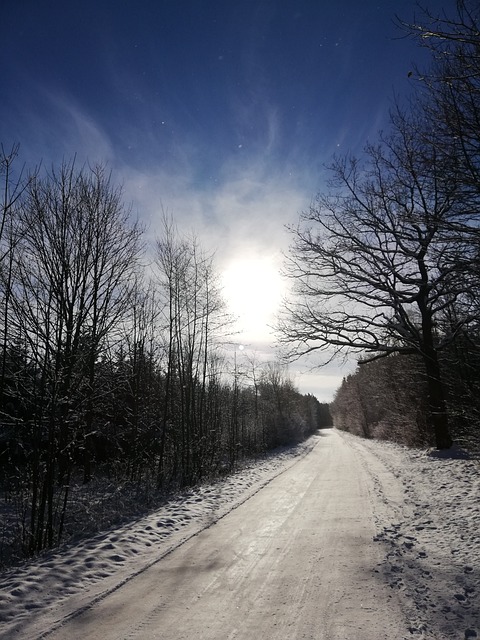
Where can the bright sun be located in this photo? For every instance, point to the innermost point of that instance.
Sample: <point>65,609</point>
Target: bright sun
<point>253,289</point>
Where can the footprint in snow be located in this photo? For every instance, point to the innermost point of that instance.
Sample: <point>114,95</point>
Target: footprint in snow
<point>117,558</point>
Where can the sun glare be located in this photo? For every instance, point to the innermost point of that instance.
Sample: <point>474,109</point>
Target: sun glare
<point>253,289</point>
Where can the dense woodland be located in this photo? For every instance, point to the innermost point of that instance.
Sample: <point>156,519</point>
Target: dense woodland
<point>387,399</point>
<point>116,365</point>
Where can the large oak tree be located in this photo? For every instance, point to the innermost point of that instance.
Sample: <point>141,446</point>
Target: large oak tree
<point>379,260</point>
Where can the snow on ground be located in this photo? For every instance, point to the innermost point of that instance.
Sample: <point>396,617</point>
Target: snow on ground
<point>60,583</point>
<point>429,523</point>
<point>427,517</point>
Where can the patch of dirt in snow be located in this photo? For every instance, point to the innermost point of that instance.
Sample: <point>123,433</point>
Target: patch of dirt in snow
<point>427,510</point>
<point>59,584</point>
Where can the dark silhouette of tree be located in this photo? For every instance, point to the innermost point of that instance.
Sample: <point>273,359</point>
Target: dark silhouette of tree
<point>449,88</point>
<point>378,261</point>
<point>193,322</point>
<point>13,186</point>
<point>73,275</point>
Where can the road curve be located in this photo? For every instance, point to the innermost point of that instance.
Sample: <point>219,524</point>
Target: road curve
<point>297,560</point>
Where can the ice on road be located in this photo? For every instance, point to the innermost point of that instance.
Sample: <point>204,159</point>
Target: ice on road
<point>296,560</point>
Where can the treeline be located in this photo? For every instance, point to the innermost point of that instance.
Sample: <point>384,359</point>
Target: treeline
<point>112,366</point>
<point>387,399</point>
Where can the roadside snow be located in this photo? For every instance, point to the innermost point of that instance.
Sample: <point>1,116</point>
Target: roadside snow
<point>427,518</point>
<point>61,583</point>
<point>431,533</point>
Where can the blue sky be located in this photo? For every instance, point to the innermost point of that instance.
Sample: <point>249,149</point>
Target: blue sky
<point>221,112</point>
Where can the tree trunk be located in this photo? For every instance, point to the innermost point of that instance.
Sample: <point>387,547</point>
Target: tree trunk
<point>438,416</point>
<point>436,399</point>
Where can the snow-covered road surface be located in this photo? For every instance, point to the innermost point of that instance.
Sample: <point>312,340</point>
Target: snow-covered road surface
<point>297,560</point>
<point>336,538</point>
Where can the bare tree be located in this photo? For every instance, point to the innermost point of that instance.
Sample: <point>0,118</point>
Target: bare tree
<point>378,260</point>
<point>142,408</point>
<point>12,189</point>
<point>13,186</point>
<point>194,318</point>
<point>74,268</point>
<point>449,88</point>
<point>285,419</point>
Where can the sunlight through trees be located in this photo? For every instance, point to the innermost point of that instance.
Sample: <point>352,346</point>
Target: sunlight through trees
<point>114,365</point>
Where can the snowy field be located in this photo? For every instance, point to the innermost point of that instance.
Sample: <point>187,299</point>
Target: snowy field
<point>427,518</point>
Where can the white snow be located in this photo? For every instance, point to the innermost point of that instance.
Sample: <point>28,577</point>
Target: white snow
<point>427,519</point>
<point>427,507</point>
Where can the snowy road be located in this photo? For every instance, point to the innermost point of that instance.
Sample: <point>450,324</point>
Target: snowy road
<point>296,560</point>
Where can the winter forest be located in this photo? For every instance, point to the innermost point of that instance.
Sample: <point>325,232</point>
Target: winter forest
<point>120,378</point>
<point>115,369</point>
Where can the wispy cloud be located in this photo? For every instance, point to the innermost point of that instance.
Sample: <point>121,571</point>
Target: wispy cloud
<point>242,213</point>
<point>52,127</point>
<point>241,217</point>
